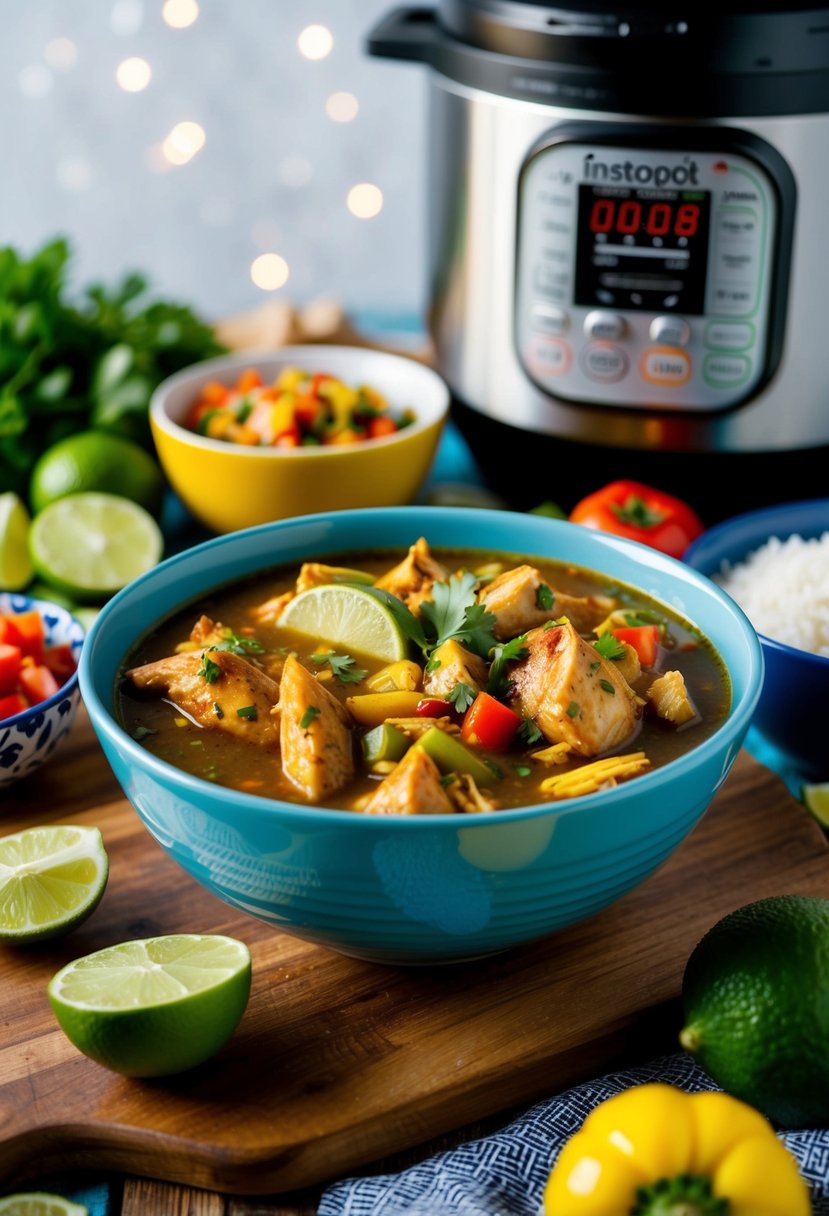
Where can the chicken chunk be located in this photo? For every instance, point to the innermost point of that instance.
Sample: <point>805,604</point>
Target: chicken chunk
<point>412,788</point>
<point>216,689</point>
<point>314,734</point>
<point>411,581</point>
<point>269,611</point>
<point>572,694</point>
<point>456,665</point>
<point>521,599</point>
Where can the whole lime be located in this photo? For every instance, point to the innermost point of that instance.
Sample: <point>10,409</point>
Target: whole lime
<point>756,1005</point>
<point>100,462</point>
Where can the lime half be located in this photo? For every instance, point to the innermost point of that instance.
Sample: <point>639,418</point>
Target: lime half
<point>16,569</point>
<point>816,800</point>
<point>348,617</point>
<point>156,1006</point>
<point>51,879</point>
<point>40,1203</point>
<point>91,545</point>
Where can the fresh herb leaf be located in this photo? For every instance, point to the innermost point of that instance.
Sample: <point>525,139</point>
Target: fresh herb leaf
<point>220,713</point>
<point>595,666</point>
<point>508,652</point>
<point>544,597</point>
<point>308,717</point>
<point>209,670</point>
<point>454,612</point>
<point>522,770</point>
<point>607,687</point>
<point>462,696</point>
<point>573,709</point>
<point>643,616</point>
<point>448,779</point>
<point>239,645</point>
<point>499,772</point>
<point>529,733</point>
<point>247,711</point>
<point>432,665</point>
<point>342,665</point>
<point>609,647</point>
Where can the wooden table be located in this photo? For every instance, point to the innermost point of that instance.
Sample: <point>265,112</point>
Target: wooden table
<point>341,1067</point>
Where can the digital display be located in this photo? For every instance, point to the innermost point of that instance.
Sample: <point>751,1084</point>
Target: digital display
<point>642,248</point>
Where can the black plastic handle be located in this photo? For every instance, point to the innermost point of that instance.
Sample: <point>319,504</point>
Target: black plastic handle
<point>405,33</point>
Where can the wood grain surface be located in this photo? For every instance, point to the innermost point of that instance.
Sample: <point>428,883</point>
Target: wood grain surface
<point>338,1063</point>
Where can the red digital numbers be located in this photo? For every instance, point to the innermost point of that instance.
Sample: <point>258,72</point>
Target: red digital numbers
<point>630,216</point>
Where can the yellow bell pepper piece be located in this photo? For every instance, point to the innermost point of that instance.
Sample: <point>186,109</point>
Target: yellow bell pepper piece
<point>402,676</point>
<point>654,1148</point>
<point>372,708</point>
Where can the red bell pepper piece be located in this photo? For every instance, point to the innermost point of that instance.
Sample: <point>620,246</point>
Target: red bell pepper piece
<point>433,707</point>
<point>644,639</point>
<point>641,513</point>
<point>489,723</point>
<point>10,660</point>
<point>11,705</point>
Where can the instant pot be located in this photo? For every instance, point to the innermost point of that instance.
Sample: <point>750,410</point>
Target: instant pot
<point>628,242</point>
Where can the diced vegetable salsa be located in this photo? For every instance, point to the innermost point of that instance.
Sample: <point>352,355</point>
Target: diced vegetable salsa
<point>30,671</point>
<point>298,409</point>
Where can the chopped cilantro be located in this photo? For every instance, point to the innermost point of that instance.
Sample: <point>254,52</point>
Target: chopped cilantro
<point>236,644</point>
<point>462,696</point>
<point>608,687</point>
<point>522,770</point>
<point>342,666</point>
<point>528,732</point>
<point>544,597</point>
<point>610,647</point>
<point>495,769</point>
<point>432,665</point>
<point>209,670</point>
<point>643,616</point>
<point>448,779</point>
<point>454,612</point>
<point>220,713</point>
<point>573,709</point>
<point>510,652</point>
<point>595,666</point>
<point>247,711</point>
<point>308,717</point>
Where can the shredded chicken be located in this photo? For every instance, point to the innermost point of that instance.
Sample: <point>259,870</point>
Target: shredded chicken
<point>466,797</point>
<point>412,580</point>
<point>314,734</point>
<point>521,599</point>
<point>455,665</point>
<point>412,788</point>
<point>571,693</point>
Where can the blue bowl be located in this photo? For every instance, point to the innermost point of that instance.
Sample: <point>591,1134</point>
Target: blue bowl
<point>30,738</point>
<point>435,888</point>
<point>791,713</point>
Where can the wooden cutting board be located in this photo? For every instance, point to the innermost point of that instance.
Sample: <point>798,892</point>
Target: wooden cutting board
<point>338,1063</point>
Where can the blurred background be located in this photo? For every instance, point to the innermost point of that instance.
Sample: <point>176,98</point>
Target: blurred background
<point>232,153</point>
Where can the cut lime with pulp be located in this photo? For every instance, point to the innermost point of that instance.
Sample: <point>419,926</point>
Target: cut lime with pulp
<point>348,617</point>
<point>51,879</point>
<point>816,800</point>
<point>91,545</point>
<point>16,569</point>
<point>152,1007</point>
<point>40,1203</point>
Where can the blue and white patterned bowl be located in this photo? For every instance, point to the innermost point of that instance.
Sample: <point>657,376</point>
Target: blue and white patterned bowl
<point>27,739</point>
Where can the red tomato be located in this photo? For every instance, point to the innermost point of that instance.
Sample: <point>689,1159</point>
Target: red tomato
<point>643,638</point>
<point>61,662</point>
<point>37,683</point>
<point>29,635</point>
<point>10,657</point>
<point>11,705</point>
<point>642,513</point>
<point>489,723</point>
<point>380,426</point>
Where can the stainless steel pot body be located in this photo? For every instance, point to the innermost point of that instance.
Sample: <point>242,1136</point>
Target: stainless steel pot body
<point>479,143</point>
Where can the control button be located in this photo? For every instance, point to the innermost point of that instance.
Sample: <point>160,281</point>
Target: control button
<point>608,326</point>
<point>548,319</point>
<point>549,356</point>
<point>734,300</point>
<point>722,336</point>
<point>670,331</point>
<point>726,371</point>
<point>665,365</point>
<point>604,362</point>
<point>550,281</point>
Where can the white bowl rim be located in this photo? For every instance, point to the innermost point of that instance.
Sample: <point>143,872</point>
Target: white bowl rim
<point>431,409</point>
<point>738,717</point>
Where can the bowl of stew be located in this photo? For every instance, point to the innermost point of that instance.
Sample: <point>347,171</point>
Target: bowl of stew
<point>539,715</point>
<point>247,438</point>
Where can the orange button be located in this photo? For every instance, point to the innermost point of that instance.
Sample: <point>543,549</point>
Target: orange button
<point>549,356</point>
<point>665,365</point>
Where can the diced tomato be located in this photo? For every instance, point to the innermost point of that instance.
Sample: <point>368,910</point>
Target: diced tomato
<point>10,659</point>
<point>248,380</point>
<point>288,439</point>
<point>644,639</point>
<point>28,633</point>
<point>433,707</point>
<point>316,381</point>
<point>38,683</point>
<point>61,662</point>
<point>489,723</point>
<point>214,393</point>
<point>11,705</point>
<point>383,425</point>
<point>306,411</point>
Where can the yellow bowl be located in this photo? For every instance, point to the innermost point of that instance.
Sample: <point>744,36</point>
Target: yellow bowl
<point>227,486</point>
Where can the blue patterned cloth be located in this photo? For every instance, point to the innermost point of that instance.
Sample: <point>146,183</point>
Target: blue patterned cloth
<point>504,1174</point>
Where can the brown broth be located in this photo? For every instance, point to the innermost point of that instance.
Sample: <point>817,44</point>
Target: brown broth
<point>214,756</point>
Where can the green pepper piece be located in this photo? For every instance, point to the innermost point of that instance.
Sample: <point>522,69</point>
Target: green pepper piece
<point>452,757</point>
<point>384,742</point>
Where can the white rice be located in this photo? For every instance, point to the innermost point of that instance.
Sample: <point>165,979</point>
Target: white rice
<point>783,588</point>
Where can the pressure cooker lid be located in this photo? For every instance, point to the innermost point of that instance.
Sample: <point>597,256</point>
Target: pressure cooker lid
<point>738,36</point>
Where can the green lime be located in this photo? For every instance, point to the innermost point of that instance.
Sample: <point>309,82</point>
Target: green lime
<point>756,1003</point>
<point>16,568</point>
<point>816,800</point>
<point>348,617</point>
<point>91,545</point>
<point>40,1203</point>
<point>157,1006</point>
<point>51,879</point>
<point>100,461</point>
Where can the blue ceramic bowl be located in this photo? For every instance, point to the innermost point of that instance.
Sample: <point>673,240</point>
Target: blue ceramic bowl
<point>432,888</point>
<point>791,713</point>
<point>27,739</point>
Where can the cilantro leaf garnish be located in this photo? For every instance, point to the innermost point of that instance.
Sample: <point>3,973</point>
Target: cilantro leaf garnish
<point>609,647</point>
<point>247,711</point>
<point>308,717</point>
<point>462,696</point>
<point>342,665</point>
<point>507,652</point>
<point>236,644</point>
<point>209,670</point>
<point>454,612</point>
<point>544,597</point>
<point>529,733</point>
<point>607,687</point>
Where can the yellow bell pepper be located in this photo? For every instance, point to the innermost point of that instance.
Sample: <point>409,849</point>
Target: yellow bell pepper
<point>654,1150</point>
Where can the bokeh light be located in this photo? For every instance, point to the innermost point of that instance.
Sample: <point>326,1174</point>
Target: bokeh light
<point>133,75</point>
<point>180,13</point>
<point>315,42</point>
<point>365,200</point>
<point>184,141</point>
<point>61,54</point>
<point>342,107</point>
<point>269,271</point>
